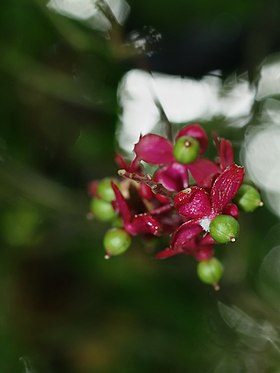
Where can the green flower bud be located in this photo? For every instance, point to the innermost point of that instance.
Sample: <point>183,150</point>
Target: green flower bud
<point>102,210</point>
<point>210,272</point>
<point>248,198</point>
<point>116,241</point>
<point>105,191</point>
<point>186,149</point>
<point>224,228</point>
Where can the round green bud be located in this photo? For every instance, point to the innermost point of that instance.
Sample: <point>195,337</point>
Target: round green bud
<point>224,228</point>
<point>102,210</point>
<point>105,191</point>
<point>248,198</point>
<point>116,241</point>
<point>186,149</point>
<point>210,272</point>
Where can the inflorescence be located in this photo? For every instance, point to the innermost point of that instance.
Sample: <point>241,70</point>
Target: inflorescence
<point>190,199</point>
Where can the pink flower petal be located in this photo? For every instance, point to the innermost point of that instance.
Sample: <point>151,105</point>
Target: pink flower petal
<point>231,209</point>
<point>162,199</point>
<point>182,237</point>
<point>145,192</point>
<point>154,149</point>
<point>203,171</point>
<point>133,166</point>
<point>193,203</point>
<point>196,131</point>
<point>204,253</point>
<point>121,205</point>
<point>167,253</point>
<point>226,186</point>
<point>143,224</point>
<point>207,240</point>
<point>173,177</point>
<point>168,218</point>
<point>225,153</point>
<point>92,188</point>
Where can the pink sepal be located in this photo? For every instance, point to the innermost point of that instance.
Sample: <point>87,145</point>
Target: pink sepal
<point>204,171</point>
<point>133,166</point>
<point>225,153</point>
<point>143,224</point>
<point>167,253</point>
<point>173,177</point>
<point>154,149</point>
<point>231,209</point>
<point>182,237</point>
<point>145,192</point>
<point>92,188</point>
<point>121,205</point>
<point>193,202</point>
<point>226,186</point>
<point>204,253</point>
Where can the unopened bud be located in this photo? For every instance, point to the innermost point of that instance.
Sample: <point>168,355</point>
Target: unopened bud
<point>224,228</point>
<point>186,149</point>
<point>248,198</point>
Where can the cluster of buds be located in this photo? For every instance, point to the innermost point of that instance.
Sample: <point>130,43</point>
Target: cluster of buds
<point>190,199</point>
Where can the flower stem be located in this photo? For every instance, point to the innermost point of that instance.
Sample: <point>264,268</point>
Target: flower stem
<point>156,188</point>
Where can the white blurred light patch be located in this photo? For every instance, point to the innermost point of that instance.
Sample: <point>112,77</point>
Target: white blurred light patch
<point>89,11</point>
<point>182,99</point>
<point>262,156</point>
<point>269,83</point>
<point>261,152</point>
<point>269,277</point>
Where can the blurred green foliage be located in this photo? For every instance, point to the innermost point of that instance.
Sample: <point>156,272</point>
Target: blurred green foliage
<point>63,307</point>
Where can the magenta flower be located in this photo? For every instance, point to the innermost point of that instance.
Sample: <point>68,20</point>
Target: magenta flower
<point>157,150</point>
<point>199,208</point>
<point>189,239</point>
<point>197,203</point>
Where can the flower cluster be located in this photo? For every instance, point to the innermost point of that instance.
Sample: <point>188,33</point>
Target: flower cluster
<point>191,199</point>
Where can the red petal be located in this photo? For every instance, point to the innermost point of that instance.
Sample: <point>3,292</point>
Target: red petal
<point>133,166</point>
<point>207,240</point>
<point>226,186</point>
<point>154,149</point>
<point>92,187</point>
<point>162,199</point>
<point>204,253</point>
<point>167,253</point>
<point>196,131</point>
<point>225,153</point>
<point>193,203</point>
<point>173,177</point>
<point>143,224</point>
<point>145,192</point>
<point>168,218</point>
<point>121,205</point>
<point>203,171</point>
<point>231,209</point>
<point>184,234</point>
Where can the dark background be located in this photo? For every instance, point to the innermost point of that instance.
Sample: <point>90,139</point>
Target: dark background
<point>63,308</point>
